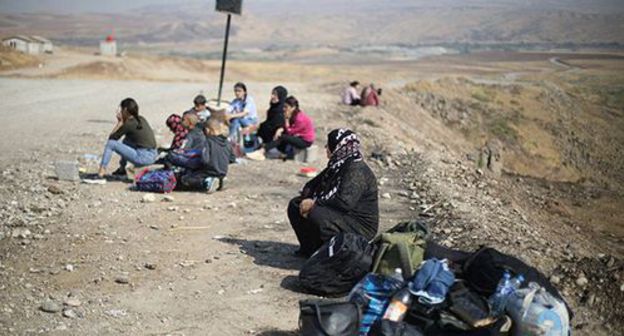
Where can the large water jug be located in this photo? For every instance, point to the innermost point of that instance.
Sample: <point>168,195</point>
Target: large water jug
<point>535,312</point>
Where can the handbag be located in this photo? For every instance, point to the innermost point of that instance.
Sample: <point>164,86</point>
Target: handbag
<point>328,318</point>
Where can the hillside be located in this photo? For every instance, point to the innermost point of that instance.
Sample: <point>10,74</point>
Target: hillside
<point>194,27</point>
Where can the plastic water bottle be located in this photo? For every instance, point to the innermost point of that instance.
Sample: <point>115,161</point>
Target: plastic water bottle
<point>506,287</point>
<point>496,301</point>
<point>398,275</point>
<point>372,295</point>
<point>399,304</point>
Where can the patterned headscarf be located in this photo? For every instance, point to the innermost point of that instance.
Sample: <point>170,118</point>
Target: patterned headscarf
<point>344,146</point>
<point>174,122</point>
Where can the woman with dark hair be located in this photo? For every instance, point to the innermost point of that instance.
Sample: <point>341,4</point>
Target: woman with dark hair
<point>275,115</point>
<point>297,133</point>
<point>242,111</point>
<point>138,145</point>
<point>342,198</point>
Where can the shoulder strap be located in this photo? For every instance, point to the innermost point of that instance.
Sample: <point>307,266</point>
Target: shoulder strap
<point>405,259</point>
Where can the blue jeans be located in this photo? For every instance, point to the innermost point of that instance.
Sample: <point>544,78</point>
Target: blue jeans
<point>237,123</point>
<point>191,159</point>
<point>138,156</point>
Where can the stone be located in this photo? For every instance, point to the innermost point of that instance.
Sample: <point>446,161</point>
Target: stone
<point>50,306</point>
<point>555,280</point>
<point>55,190</point>
<point>69,268</point>
<point>622,288</point>
<point>69,313</point>
<point>116,312</point>
<point>150,266</point>
<point>148,198</point>
<point>21,233</point>
<point>386,196</point>
<point>72,302</point>
<point>582,281</point>
<point>122,279</point>
<point>172,208</point>
<point>168,198</point>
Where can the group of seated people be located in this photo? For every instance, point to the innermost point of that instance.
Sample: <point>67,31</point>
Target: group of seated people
<point>205,139</point>
<point>369,96</point>
<point>342,198</point>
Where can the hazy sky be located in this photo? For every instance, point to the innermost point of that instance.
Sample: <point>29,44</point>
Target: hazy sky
<point>75,6</point>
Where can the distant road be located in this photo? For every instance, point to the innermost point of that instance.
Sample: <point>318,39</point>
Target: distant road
<point>558,62</point>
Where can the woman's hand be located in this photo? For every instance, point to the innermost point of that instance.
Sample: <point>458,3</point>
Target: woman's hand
<point>305,207</point>
<point>278,133</point>
<point>119,116</point>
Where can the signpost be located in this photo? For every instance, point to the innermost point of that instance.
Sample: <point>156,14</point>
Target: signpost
<point>230,7</point>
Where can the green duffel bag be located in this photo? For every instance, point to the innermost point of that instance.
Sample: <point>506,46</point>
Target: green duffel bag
<point>402,247</point>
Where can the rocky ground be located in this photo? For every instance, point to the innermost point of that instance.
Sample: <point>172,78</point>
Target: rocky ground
<point>100,259</point>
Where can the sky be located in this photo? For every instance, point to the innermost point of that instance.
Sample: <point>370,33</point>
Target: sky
<point>76,6</point>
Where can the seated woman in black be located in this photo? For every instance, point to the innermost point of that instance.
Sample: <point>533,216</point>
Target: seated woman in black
<point>342,198</point>
<point>275,115</point>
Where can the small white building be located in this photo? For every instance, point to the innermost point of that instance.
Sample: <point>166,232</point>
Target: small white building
<point>45,44</point>
<point>29,44</point>
<point>108,47</point>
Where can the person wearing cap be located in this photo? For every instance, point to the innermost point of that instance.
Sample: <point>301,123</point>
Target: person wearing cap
<point>342,198</point>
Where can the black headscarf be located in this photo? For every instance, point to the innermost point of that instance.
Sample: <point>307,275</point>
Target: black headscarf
<point>344,146</point>
<point>275,116</point>
<point>276,109</point>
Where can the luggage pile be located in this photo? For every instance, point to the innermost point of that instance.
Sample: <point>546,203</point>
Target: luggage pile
<point>402,283</point>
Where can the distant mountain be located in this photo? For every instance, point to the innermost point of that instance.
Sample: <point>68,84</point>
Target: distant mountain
<point>303,23</point>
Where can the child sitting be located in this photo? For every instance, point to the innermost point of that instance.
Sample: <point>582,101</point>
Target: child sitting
<point>216,155</point>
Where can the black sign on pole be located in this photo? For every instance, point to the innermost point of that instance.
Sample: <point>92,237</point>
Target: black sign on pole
<point>230,7</point>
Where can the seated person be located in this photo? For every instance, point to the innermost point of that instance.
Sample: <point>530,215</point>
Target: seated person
<point>241,112</point>
<point>199,108</point>
<point>216,155</point>
<point>275,115</point>
<point>138,145</point>
<point>350,95</point>
<point>342,198</point>
<point>298,133</point>
<point>174,122</point>
<point>370,96</point>
<point>189,154</point>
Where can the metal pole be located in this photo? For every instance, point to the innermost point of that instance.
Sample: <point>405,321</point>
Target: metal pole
<point>225,44</point>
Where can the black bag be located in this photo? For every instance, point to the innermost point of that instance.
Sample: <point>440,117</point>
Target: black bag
<point>484,269</point>
<point>337,265</point>
<point>469,306</point>
<point>328,318</point>
<point>391,328</point>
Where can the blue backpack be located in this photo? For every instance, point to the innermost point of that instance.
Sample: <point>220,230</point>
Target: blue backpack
<point>160,180</point>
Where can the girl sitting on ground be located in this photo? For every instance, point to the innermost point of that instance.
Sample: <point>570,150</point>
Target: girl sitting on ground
<point>138,145</point>
<point>297,134</point>
<point>242,112</point>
